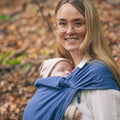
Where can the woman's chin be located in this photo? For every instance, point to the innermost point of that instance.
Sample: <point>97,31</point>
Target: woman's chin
<point>72,49</point>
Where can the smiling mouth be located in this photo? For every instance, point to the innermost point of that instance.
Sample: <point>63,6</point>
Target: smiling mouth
<point>71,39</point>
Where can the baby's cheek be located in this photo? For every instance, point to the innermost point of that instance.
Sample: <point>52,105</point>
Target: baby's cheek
<point>62,74</point>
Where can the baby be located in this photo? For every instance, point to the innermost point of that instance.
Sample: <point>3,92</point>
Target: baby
<point>60,67</point>
<point>35,108</point>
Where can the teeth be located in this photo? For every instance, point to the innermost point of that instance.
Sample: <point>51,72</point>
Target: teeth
<point>71,39</point>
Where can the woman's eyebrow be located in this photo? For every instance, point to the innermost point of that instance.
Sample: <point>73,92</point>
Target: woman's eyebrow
<point>76,19</point>
<point>61,19</point>
<point>79,19</point>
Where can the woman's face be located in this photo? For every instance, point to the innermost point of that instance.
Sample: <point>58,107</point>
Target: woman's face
<point>71,28</point>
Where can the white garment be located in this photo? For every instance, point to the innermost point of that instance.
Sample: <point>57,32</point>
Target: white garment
<point>83,106</point>
<point>98,104</point>
<point>105,104</point>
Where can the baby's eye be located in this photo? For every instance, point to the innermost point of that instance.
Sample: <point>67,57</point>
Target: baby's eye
<point>61,70</point>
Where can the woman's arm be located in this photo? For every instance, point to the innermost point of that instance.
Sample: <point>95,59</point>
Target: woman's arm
<point>104,104</point>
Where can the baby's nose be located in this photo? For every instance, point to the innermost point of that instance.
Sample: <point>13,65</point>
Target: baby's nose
<point>67,72</point>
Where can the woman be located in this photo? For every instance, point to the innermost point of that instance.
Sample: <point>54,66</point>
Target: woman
<point>81,39</point>
<point>96,78</point>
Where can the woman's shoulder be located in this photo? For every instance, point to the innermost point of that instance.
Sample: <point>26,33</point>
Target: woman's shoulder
<point>97,65</point>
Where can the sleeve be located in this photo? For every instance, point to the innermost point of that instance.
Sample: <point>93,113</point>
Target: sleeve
<point>70,111</point>
<point>104,104</point>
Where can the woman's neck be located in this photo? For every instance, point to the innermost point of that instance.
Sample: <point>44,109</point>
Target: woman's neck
<point>77,57</point>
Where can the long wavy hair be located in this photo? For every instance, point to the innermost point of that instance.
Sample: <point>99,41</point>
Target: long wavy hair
<point>94,43</point>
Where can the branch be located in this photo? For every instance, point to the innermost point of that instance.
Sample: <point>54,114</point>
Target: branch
<point>7,68</point>
<point>15,13</point>
<point>44,17</point>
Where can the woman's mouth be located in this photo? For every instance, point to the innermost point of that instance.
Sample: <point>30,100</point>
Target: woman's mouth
<point>71,39</point>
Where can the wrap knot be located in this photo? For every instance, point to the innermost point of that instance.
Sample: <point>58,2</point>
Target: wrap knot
<point>63,83</point>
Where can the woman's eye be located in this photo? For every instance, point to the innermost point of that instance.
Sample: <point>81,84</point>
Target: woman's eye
<point>77,24</point>
<point>62,23</point>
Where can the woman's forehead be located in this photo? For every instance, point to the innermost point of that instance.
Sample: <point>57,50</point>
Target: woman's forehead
<point>68,11</point>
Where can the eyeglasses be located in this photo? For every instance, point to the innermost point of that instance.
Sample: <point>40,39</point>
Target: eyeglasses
<point>62,26</point>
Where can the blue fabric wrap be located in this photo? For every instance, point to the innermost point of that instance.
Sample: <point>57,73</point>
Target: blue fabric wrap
<point>55,93</point>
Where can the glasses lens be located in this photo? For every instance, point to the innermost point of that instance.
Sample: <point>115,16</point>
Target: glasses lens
<point>63,27</point>
<point>77,30</point>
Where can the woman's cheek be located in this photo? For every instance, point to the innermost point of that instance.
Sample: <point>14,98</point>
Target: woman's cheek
<point>60,36</point>
<point>83,31</point>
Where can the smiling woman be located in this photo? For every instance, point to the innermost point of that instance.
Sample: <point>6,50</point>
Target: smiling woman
<point>71,29</point>
<point>81,39</point>
<point>89,40</point>
<point>94,84</point>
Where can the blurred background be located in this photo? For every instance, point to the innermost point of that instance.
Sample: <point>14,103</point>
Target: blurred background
<point>27,38</point>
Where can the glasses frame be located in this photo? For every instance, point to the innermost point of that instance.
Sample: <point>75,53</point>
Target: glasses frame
<point>66,28</point>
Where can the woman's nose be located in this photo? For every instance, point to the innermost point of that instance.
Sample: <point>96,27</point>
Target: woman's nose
<point>70,29</point>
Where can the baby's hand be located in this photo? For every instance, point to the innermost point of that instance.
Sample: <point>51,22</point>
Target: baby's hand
<point>77,115</point>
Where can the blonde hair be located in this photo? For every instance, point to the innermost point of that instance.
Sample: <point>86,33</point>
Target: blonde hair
<point>94,43</point>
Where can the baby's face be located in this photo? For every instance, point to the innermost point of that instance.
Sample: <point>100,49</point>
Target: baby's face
<point>62,68</point>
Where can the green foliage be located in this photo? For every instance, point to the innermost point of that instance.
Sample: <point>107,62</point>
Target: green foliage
<point>33,9</point>
<point>26,67</point>
<point>5,58</point>
<point>22,55</point>
<point>15,61</point>
<point>53,47</point>
<point>44,52</point>
<point>11,19</point>
<point>11,62</point>
<point>4,55</point>
<point>51,54</point>
<point>3,17</point>
<point>7,62</point>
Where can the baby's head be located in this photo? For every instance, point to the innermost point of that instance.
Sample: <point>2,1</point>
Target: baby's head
<point>55,67</point>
